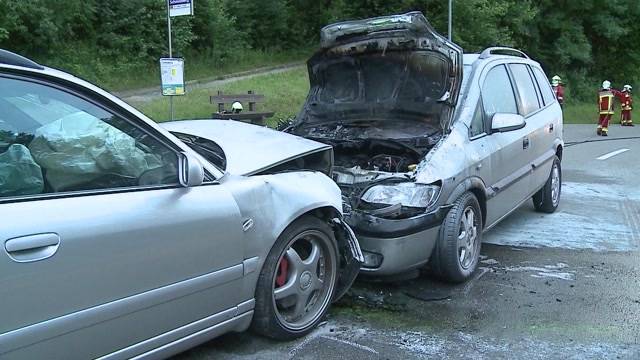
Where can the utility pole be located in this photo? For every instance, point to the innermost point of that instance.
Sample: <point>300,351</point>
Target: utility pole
<point>450,18</point>
<point>171,53</point>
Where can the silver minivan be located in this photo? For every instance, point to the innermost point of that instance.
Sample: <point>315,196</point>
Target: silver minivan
<point>432,147</point>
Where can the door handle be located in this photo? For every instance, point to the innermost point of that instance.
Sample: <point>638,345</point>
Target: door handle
<point>525,143</point>
<point>551,127</point>
<point>32,247</point>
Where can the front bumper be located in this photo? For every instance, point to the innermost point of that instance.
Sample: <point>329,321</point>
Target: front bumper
<point>396,245</point>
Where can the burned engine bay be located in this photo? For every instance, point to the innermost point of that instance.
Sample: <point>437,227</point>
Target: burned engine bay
<point>362,161</point>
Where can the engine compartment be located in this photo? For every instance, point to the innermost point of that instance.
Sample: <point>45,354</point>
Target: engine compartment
<point>362,163</point>
<point>376,155</point>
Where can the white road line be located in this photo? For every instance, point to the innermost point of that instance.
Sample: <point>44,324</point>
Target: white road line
<point>354,344</point>
<point>611,154</point>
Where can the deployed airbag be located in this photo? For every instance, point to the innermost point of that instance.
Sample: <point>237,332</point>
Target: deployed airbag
<point>79,149</point>
<point>19,173</point>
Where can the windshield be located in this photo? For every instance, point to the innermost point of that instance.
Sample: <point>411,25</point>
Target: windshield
<point>408,76</point>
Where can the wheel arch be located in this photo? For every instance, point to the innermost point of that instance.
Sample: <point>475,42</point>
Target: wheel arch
<point>476,186</point>
<point>559,150</point>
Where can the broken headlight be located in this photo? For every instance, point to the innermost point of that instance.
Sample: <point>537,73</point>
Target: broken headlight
<point>406,193</point>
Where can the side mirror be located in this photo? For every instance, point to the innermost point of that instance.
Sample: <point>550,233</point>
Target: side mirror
<point>190,170</point>
<point>503,122</point>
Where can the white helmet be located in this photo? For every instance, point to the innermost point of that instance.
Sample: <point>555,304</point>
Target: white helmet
<point>627,88</point>
<point>606,84</point>
<point>556,80</point>
<point>236,107</point>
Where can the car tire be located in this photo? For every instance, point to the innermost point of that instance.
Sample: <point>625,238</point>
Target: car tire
<point>547,199</point>
<point>457,250</point>
<point>297,282</point>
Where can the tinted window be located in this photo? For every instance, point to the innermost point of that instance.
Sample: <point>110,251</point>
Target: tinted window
<point>545,87</point>
<point>497,93</point>
<point>52,141</point>
<point>526,90</point>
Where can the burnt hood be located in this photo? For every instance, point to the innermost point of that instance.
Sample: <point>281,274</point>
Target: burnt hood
<point>382,70</point>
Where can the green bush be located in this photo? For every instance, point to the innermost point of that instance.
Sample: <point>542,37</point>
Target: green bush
<point>587,41</point>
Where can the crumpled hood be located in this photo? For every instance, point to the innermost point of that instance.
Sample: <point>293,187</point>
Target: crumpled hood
<point>248,148</point>
<point>386,68</point>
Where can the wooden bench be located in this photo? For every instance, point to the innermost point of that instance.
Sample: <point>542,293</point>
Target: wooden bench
<point>252,115</point>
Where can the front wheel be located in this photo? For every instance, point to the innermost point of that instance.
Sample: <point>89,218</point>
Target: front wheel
<point>297,282</point>
<point>457,251</point>
<point>548,198</point>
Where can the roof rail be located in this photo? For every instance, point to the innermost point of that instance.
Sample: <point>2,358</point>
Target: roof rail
<point>9,58</point>
<point>502,51</point>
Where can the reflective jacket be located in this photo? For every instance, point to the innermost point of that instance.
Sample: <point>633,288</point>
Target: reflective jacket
<point>559,91</point>
<point>625,100</point>
<point>605,100</point>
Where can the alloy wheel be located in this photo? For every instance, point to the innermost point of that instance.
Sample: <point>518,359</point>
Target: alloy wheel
<point>468,238</point>
<point>304,280</point>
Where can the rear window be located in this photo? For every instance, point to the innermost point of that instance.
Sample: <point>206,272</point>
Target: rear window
<point>545,87</point>
<point>525,88</point>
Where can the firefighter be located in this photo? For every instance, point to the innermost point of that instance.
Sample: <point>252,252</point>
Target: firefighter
<point>626,105</point>
<point>605,107</point>
<point>558,89</point>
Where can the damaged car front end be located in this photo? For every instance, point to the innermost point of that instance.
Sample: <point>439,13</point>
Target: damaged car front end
<point>383,93</point>
<point>271,164</point>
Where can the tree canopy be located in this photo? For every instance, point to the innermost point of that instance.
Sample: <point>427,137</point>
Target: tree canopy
<point>584,41</point>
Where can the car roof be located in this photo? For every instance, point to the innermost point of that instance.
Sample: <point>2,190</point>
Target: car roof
<point>493,53</point>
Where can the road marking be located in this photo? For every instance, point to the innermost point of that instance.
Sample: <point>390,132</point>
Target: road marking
<point>351,343</point>
<point>611,154</point>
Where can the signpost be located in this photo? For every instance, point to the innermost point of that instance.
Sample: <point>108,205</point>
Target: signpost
<point>180,7</point>
<point>172,69</point>
<point>450,19</point>
<point>172,75</point>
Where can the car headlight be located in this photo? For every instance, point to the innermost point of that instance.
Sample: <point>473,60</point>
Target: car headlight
<point>406,194</point>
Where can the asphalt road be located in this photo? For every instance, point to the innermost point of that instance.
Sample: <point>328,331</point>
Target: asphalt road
<point>565,285</point>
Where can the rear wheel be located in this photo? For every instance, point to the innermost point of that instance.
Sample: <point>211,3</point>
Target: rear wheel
<point>297,282</point>
<point>458,248</point>
<point>548,198</point>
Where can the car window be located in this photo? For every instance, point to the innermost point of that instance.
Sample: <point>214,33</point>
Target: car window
<point>52,141</point>
<point>545,86</point>
<point>526,90</point>
<point>497,93</point>
<point>477,123</point>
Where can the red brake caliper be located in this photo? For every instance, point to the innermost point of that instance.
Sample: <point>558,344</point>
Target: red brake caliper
<point>283,269</point>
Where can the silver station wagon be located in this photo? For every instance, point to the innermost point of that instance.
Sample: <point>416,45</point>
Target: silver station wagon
<point>432,147</point>
<point>120,239</point>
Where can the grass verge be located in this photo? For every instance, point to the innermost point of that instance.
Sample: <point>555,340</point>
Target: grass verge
<point>285,93</point>
<point>586,113</point>
<point>121,76</point>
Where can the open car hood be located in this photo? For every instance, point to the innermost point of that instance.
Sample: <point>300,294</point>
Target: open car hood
<point>251,149</point>
<point>383,69</point>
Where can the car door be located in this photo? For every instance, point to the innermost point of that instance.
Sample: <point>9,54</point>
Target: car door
<point>549,129</point>
<point>539,125</point>
<point>509,183</point>
<point>100,247</point>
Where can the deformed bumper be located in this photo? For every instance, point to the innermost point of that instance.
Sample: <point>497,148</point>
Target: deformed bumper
<point>393,246</point>
<point>351,257</point>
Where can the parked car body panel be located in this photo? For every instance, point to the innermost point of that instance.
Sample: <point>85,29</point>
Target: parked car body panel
<point>248,149</point>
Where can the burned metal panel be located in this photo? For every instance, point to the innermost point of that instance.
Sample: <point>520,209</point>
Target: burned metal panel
<point>389,68</point>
